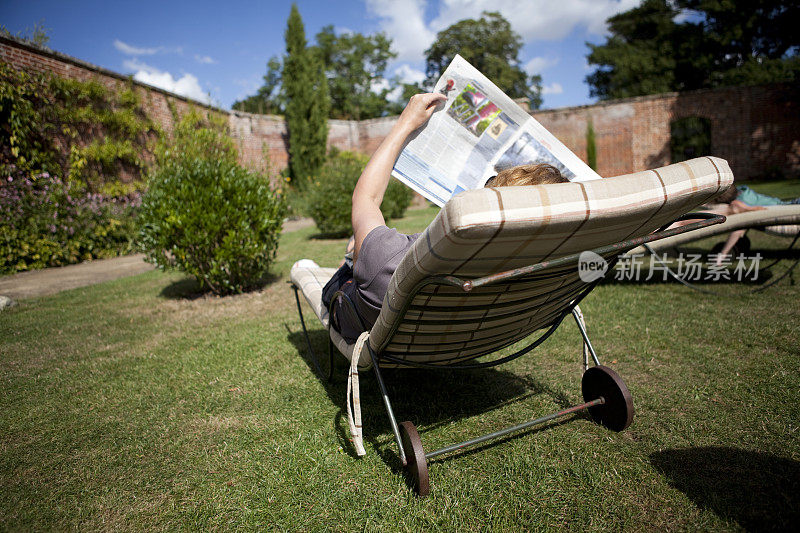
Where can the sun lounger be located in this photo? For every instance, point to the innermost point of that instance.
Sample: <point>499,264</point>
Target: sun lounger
<point>778,220</point>
<point>497,265</point>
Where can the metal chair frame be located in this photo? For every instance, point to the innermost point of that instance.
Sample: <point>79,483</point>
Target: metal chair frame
<point>467,285</point>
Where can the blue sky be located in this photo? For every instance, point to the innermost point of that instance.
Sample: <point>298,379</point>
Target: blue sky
<point>218,51</point>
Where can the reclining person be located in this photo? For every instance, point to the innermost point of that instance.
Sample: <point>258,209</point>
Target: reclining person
<point>737,200</point>
<point>377,249</point>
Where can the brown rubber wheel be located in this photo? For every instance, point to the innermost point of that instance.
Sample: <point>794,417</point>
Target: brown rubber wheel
<point>416,464</point>
<point>617,412</point>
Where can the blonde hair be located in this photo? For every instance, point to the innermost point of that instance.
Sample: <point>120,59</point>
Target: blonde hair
<point>539,174</point>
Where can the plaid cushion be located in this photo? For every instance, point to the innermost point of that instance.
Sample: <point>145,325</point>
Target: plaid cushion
<point>487,231</point>
<point>781,220</point>
<point>311,280</point>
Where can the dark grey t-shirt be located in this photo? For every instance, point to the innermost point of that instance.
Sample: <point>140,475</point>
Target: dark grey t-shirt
<point>381,252</point>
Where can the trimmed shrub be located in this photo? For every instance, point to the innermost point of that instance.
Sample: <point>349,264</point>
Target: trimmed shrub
<point>212,219</point>
<point>396,200</point>
<point>328,198</point>
<point>44,222</point>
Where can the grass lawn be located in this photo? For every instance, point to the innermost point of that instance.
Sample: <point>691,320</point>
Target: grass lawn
<point>135,404</point>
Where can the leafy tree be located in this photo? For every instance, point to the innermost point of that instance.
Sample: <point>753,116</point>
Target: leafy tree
<point>307,103</point>
<point>354,65</point>
<point>591,147</point>
<point>720,43</point>
<point>407,91</point>
<point>269,98</point>
<point>639,57</point>
<point>492,47</point>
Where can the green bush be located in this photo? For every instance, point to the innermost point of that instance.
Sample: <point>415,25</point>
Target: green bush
<point>44,222</point>
<point>396,200</point>
<point>197,137</point>
<point>327,199</point>
<point>213,220</point>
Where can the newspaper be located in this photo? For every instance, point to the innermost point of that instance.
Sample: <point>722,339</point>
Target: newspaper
<point>479,132</point>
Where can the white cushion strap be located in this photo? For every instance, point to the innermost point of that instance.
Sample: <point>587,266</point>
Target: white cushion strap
<point>354,412</point>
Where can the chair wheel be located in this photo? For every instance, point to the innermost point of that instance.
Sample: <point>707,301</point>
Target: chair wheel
<point>416,464</point>
<point>617,412</point>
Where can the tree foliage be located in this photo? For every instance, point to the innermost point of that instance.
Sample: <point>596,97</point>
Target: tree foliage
<point>328,198</point>
<point>491,45</point>
<point>307,103</point>
<point>663,46</point>
<point>269,99</point>
<point>355,65</point>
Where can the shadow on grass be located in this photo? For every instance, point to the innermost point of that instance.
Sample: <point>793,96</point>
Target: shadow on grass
<point>189,288</point>
<point>429,398</point>
<point>758,490</point>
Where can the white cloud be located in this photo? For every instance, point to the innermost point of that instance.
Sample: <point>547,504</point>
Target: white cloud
<point>131,50</point>
<point>187,85</point>
<point>404,22</point>
<point>206,60</point>
<point>408,74</point>
<point>553,88</point>
<point>537,19</point>
<point>379,85</point>
<point>538,64</point>
<point>134,50</point>
<point>395,94</point>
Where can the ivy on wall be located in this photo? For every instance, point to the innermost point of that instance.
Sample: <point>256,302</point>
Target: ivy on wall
<point>95,137</point>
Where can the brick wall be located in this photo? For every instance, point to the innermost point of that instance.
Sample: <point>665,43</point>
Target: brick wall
<point>757,129</point>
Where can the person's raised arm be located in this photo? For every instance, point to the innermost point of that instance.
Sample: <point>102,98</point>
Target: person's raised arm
<point>371,186</point>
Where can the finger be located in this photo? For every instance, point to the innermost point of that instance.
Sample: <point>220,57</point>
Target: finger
<point>432,98</point>
<point>429,111</point>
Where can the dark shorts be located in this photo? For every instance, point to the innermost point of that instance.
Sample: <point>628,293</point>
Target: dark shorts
<point>381,252</point>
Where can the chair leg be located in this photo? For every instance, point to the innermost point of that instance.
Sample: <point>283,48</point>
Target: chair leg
<point>388,405</point>
<point>409,444</point>
<point>311,351</point>
<point>578,316</point>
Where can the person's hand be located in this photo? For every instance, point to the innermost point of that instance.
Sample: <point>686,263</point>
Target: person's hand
<point>419,109</point>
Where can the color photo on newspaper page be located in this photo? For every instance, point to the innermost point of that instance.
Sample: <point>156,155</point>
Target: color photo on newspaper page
<point>473,110</point>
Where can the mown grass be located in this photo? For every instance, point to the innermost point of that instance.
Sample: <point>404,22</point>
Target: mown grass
<point>137,404</point>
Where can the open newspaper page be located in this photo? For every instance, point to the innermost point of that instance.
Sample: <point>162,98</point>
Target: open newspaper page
<point>479,132</point>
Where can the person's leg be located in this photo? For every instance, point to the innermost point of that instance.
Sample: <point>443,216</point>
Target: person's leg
<point>733,238</point>
<point>717,209</point>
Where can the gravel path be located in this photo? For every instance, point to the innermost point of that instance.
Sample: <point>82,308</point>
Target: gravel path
<point>49,281</point>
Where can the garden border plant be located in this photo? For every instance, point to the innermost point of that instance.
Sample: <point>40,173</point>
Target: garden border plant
<point>206,215</point>
<point>65,147</point>
<point>328,197</point>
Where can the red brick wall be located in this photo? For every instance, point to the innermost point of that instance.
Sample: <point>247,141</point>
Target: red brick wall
<point>757,129</point>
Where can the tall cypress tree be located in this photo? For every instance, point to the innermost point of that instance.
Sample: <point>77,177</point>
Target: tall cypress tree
<point>591,146</point>
<point>307,103</point>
